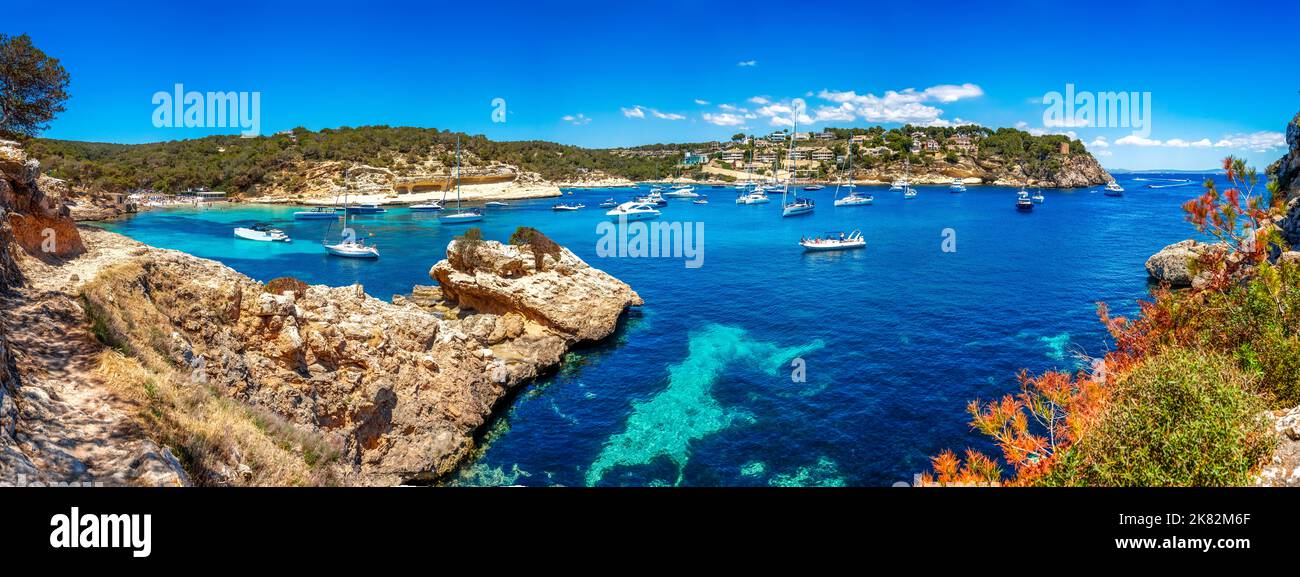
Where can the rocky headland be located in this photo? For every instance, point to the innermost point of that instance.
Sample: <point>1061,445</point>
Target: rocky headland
<point>137,365</point>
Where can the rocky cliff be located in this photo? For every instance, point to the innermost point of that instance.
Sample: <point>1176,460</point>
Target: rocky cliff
<point>1075,170</point>
<point>1287,172</point>
<point>398,390</point>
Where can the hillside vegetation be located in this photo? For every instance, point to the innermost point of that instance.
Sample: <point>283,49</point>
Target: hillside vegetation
<point>249,165</point>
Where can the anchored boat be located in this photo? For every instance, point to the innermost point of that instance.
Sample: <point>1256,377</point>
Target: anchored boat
<point>460,215</point>
<point>834,241</point>
<point>262,232</point>
<point>633,211</point>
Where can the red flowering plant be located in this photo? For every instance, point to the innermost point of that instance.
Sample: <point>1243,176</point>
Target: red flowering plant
<point>1238,219</point>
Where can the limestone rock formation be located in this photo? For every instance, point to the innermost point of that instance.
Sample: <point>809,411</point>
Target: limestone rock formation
<point>1172,264</point>
<point>400,390</point>
<point>34,206</point>
<point>495,278</point>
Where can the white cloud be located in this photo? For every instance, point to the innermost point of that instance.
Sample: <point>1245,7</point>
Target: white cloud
<point>639,111</point>
<point>666,115</point>
<point>747,63</point>
<point>759,100</point>
<point>1260,141</point>
<point>578,119</point>
<point>701,102</point>
<point>908,106</point>
<point>1022,125</point>
<point>1099,142</point>
<point>784,113</point>
<point>724,119</point>
<point>952,92</point>
<point>1102,153</point>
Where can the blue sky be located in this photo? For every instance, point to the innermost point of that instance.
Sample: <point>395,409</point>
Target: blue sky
<point>616,73</point>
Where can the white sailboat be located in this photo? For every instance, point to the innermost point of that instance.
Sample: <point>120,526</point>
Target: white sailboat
<point>348,245</point>
<point>908,192</point>
<point>799,206</point>
<point>459,215</point>
<point>852,198</point>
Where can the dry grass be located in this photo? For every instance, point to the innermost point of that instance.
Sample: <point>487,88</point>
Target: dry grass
<point>219,440</point>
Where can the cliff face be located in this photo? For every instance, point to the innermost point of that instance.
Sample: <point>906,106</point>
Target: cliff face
<point>1287,168</point>
<point>397,389</point>
<point>34,206</point>
<point>1076,170</point>
<point>1287,172</point>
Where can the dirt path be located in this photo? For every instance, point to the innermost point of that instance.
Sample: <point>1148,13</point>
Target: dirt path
<point>70,425</point>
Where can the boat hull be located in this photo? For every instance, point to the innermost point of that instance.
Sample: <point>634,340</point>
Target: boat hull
<point>260,236</point>
<point>351,251</point>
<point>459,218</point>
<point>826,247</point>
<point>796,210</point>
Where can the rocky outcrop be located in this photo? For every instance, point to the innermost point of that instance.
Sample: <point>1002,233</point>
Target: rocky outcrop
<point>1287,168</point>
<point>554,290</point>
<point>399,389</point>
<point>34,206</point>
<point>1173,264</point>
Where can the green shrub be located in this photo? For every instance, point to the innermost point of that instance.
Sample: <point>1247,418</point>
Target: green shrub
<point>540,244</point>
<point>1181,418</point>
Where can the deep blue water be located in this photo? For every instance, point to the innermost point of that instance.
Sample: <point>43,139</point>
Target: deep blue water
<point>697,388</point>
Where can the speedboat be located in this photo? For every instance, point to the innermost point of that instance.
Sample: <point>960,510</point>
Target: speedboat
<point>263,233</point>
<point>318,213</point>
<point>634,210</point>
<point>957,186</point>
<point>834,241</point>
<point>461,215</point>
<point>909,193</point>
<point>568,207</point>
<point>1037,197</point>
<point>1114,189</point>
<point>609,203</point>
<point>426,207</point>
<point>365,209</point>
<point>814,187</point>
<point>1023,202</point>
<point>681,192</point>
<point>701,200</point>
<point>352,249</point>
<point>496,204</point>
<point>798,207</point>
<point>899,184</point>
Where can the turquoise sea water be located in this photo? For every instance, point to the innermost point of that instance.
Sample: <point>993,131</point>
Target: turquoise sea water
<point>697,389</point>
